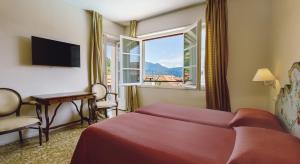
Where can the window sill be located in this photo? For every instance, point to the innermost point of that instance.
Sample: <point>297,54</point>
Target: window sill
<point>164,87</point>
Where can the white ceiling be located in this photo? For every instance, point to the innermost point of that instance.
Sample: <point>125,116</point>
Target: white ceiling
<point>122,11</point>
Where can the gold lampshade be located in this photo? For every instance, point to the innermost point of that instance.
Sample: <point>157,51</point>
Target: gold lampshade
<point>264,74</point>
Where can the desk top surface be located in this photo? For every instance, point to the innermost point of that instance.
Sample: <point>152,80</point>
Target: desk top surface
<point>62,95</point>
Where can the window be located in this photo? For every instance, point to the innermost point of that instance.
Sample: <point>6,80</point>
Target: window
<point>167,61</point>
<point>109,51</point>
<point>190,57</point>
<point>131,61</point>
<point>164,61</point>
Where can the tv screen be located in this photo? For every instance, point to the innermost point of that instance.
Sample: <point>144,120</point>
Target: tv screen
<point>54,53</point>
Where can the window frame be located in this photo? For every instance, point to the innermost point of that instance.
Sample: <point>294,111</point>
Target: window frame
<point>153,38</point>
<point>113,60</point>
<point>164,34</point>
<point>202,47</point>
<point>115,42</point>
<point>182,31</point>
<point>140,69</point>
<point>197,65</point>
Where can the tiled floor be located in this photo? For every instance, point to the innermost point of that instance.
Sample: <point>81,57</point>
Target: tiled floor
<point>58,150</point>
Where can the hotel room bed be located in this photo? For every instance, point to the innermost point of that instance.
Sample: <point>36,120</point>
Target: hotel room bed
<point>166,134</point>
<point>243,117</point>
<point>136,138</point>
<point>189,114</point>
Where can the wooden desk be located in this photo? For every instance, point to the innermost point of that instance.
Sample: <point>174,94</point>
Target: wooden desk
<point>59,99</point>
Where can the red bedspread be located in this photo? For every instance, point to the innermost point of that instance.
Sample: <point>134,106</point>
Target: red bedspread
<point>143,139</point>
<point>190,114</point>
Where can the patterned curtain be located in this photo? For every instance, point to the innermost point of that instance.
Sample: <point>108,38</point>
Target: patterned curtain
<point>132,94</point>
<point>217,94</point>
<point>97,62</point>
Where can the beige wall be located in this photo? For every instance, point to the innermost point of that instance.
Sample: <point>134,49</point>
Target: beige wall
<point>149,96</point>
<point>267,34</point>
<point>249,34</point>
<point>248,48</point>
<point>54,19</point>
<point>172,20</point>
<point>285,41</point>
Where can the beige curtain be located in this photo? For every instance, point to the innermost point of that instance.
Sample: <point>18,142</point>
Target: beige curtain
<point>97,62</point>
<point>217,94</point>
<point>132,94</point>
<point>132,28</point>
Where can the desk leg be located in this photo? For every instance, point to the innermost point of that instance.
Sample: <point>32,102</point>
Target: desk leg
<point>82,118</point>
<point>80,112</point>
<point>91,117</point>
<point>46,130</point>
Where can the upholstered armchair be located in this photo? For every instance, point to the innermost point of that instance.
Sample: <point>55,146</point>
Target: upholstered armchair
<point>10,104</point>
<point>102,102</point>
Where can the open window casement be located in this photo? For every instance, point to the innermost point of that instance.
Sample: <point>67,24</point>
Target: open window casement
<point>131,58</point>
<point>131,61</point>
<point>191,56</point>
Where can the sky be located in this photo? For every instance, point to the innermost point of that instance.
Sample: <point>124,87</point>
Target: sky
<point>108,50</point>
<point>165,51</point>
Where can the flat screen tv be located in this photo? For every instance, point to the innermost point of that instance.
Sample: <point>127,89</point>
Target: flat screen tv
<point>54,53</point>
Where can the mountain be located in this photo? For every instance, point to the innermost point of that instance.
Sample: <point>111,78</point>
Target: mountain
<point>176,71</point>
<point>157,69</point>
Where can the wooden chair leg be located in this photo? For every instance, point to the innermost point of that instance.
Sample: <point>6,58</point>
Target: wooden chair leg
<point>105,113</point>
<point>95,116</point>
<point>98,114</point>
<point>20,136</point>
<point>40,135</point>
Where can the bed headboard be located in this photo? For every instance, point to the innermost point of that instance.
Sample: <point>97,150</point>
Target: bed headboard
<point>288,102</point>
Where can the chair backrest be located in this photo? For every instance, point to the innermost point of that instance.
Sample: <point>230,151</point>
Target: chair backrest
<point>10,102</point>
<point>99,90</point>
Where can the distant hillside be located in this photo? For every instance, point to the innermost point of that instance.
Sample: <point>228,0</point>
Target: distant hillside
<point>157,69</point>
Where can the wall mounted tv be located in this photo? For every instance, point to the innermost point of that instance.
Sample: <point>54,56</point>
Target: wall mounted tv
<point>54,53</point>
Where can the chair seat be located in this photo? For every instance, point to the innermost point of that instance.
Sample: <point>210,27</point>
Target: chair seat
<point>105,104</point>
<point>17,122</point>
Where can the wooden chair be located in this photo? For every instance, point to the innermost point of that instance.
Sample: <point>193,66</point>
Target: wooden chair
<point>10,103</point>
<point>101,97</point>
